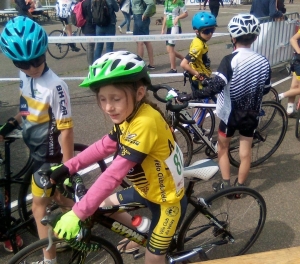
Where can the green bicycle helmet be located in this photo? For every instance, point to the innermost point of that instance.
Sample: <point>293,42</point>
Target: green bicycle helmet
<point>115,67</point>
<point>22,39</point>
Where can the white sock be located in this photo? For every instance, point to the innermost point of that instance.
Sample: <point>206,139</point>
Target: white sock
<point>290,108</point>
<point>50,261</point>
<point>281,96</point>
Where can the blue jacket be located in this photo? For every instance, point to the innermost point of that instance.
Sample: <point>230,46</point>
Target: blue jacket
<point>264,8</point>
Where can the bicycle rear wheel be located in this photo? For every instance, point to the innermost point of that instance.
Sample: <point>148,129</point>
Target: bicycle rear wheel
<point>104,252</point>
<point>58,50</point>
<point>25,196</point>
<point>243,218</point>
<point>184,141</point>
<point>271,96</point>
<point>268,136</point>
<point>83,45</point>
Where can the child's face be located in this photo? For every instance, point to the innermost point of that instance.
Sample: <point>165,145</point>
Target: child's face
<point>206,33</point>
<point>33,68</point>
<point>117,103</point>
<point>34,72</point>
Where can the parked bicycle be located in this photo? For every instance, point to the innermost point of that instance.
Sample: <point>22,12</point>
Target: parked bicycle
<point>18,219</point>
<point>273,122</point>
<point>60,50</point>
<point>218,226</point>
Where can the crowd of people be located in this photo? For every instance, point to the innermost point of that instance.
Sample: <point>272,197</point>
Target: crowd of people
<point>120,80</point>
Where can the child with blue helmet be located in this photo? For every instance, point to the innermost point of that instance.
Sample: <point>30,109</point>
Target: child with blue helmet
<point>45,112</point>
<point>196,62</point>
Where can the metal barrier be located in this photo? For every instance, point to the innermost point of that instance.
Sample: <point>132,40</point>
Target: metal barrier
<point>274,39</point>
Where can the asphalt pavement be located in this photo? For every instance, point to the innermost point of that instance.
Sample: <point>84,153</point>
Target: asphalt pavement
<point>277,179</point>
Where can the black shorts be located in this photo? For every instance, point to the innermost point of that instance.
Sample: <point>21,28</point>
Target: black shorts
<point>64,20</point>
<point>165,219</point>
<point>244,121</point>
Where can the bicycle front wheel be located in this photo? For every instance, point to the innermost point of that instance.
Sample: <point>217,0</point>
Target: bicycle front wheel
<point>242,220</point>
<point>58,50</point>
<point>297,128</point>
<point>272,127</point>
<point>184,142</point>
<point>103,252</point>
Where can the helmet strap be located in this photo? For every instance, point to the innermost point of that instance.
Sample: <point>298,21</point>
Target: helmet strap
<point>233,43</point>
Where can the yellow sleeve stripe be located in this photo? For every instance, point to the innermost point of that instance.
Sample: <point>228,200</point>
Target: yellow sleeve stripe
<point>64,123</point>
<point>38,119</point>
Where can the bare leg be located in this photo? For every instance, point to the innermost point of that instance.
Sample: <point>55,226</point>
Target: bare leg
<point>245,157</point>
<point>223,146</point>
<point>150,52</point>
<point>151,258</point>
<point>69,29</point>
<point>294,90</point>
<point>140,49</point>
<point>171,52</point>
<point>39,205</point>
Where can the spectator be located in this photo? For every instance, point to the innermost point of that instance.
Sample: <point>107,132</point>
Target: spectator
<point>200,1</point>
<point>214,6</point>
<point>109,30</point>
<point>291,1</point>
<point>23,6</point>
<point>295,85</point>
<point>174,11</point>
<point>37,4</point>
<point>125,8</point>
<point>89,29</point>
<point>265,8</point>
<point>63,11</point>
<point>45,114</point>
<point>141,10</point>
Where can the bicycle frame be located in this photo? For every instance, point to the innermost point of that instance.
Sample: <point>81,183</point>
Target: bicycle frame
<point>11,226</point>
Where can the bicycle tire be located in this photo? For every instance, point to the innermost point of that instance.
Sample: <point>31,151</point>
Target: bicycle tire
<point>208,125</point>
<point>58,50</point>
<point>272,95</point>
<point>24,204</point>
<point>83,45</point>
<point>268,136</point>
<point>243,218</point>
<point>184,141</point>
<point>106,253</point>
<point>297,127</point>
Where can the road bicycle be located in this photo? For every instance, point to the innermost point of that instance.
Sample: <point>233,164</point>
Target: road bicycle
<point>216,226</point>
<point>18,218</point>
<point>273,123</point>
<point>60,50</point>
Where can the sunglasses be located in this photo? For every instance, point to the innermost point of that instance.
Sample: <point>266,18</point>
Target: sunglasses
<point>25,65</point>
<point>208,31</point>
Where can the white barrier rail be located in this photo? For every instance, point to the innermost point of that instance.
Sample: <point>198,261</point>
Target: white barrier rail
<point>139,38</point>
<point>274,39</point>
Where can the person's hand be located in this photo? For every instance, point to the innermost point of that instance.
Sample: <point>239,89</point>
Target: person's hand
<point>68,226</point>
<point>175,21</point>
<point>59,173</point>
<point>182,97</point>
<point>6,129</point>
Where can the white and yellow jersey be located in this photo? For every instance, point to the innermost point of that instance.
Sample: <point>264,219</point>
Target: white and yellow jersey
<point>45,108</point>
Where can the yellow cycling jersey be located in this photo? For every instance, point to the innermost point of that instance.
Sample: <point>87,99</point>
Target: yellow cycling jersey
<point>147,140</point>
<point>198,57</point>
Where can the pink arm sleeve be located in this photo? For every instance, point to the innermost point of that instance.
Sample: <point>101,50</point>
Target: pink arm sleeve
<point>103,187</point>
<point>97,151</point>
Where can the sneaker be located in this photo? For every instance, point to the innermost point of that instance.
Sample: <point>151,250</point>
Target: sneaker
<point>172,71</point>
<point>120,29</point>
<point>129,32</point>
<point>8,247</point>
<point>75,49</point>
<point>219,186</point>
<point>43,262</point>
<point>197,140</point>
<point>150,67</point>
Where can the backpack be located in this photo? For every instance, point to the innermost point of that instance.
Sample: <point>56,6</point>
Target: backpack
<point>77,17</point>
<point>100,13</point>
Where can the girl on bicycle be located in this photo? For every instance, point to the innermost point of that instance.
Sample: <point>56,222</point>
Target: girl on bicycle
<point>146,153</point>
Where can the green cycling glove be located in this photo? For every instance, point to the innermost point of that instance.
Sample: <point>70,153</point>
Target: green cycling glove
<point>68,226</point>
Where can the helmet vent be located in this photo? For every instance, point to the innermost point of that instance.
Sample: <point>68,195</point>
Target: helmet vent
<point>7,32</point>
<point>19,50</point>
<point>129,65</point>
<point>115,64</point>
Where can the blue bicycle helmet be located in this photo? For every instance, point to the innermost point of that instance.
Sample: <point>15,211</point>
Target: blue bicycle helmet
<point>22,39</point>
<point>203,20</point>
